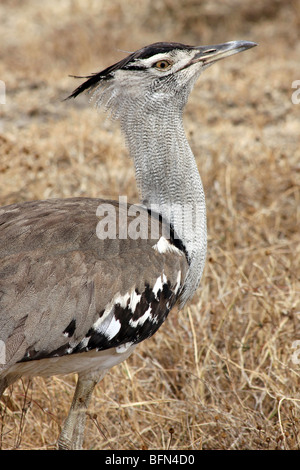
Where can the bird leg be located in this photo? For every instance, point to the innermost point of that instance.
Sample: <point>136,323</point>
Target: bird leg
<point>7,381</point>
<point>72,434</point>
<point>3,386</point>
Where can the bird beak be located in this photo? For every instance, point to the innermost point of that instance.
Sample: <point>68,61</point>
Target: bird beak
<point>210,54</point>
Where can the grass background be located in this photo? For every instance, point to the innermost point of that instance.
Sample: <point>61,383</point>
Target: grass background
<point>222,373</point>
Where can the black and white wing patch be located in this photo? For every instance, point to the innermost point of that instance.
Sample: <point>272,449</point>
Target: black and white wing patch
<point>127,320</point>
<point>133,317</point>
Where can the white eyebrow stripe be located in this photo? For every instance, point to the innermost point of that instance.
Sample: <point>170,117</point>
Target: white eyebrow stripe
<point>154,58</point>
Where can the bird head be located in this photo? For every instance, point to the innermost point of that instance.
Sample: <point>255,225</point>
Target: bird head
<point>161,74</point>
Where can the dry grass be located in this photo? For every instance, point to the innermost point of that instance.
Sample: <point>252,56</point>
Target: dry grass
<point>220,374</point>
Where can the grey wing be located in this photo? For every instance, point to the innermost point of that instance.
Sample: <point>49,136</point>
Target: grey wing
<point>63,291</point>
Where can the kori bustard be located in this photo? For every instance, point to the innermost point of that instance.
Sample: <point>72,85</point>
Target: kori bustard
<point>72,298</point>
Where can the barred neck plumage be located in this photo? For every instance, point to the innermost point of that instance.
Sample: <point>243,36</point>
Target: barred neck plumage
<point>168,179</point>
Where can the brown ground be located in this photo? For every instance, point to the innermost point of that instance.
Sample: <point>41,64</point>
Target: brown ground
<point>223,373</point>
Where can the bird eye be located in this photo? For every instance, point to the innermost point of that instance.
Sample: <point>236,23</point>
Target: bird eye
<point>162,65</point>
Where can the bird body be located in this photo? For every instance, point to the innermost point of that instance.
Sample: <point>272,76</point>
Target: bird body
<point>75,298</point>
<point>74,295</point>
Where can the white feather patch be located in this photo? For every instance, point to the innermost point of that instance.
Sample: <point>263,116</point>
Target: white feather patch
<point>142,319</point>
<point>164,246</point>
<point>158,286</point>
<point>177,282</point>
<point>122,300</point>
<point>134,300</point>
<point>113,329</point>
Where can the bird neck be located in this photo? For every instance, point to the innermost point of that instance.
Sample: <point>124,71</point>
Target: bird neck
<point>169,181</point>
